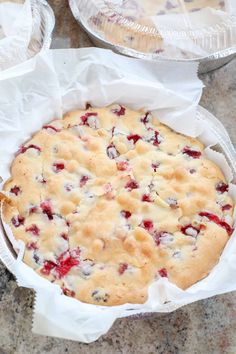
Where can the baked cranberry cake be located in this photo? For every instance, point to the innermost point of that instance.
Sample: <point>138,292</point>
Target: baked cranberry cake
<point>108,200</point>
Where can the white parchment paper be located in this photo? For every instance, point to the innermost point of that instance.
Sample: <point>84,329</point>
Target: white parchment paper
<point>57,81</point>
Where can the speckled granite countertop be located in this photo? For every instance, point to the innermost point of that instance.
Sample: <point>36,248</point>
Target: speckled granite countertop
<point>207,326</point>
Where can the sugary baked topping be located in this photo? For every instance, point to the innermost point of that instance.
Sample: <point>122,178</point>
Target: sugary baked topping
<point>107,200</point>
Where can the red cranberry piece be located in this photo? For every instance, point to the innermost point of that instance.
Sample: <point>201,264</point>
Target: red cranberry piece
<point>65,266</point>
<point>126,214</point>
<point>47,209</point>
<point>146,198</point>
<point>84,118</point>
<point>64,236</point>
<point>155,166</point>
<point>222,187</point>
<point>226,207</point>
<point>119,111</point>
<point>33,209</point>
<point>146,118</point>
<point>47,267</point>
<point>32,146</point>
<point>147,224</point>
<point>113,131</point>
<point>132,184</point>
<point>31,246</point>
<point>155,139</point>
<point>216,220</point>
<point>83,181</point>
<point>52,128</point>
<point>23,149</point>
<point>18,220</point>
<point>227,227</point>
<point>134,138</point>
<point>65,262</point>
<point>68,292</point>
<point>163,273</point>
<point>122,268</point>
<point>190,230</point>
<point>15,190</point>
<point>157,238</point>
<point>192,153</point>
<point>58,167</point>
<point>33,229</point>
<point>122,165</point>
<point>112,152</point>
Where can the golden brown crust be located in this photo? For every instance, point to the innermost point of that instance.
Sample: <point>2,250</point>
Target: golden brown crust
<point>107,200</point>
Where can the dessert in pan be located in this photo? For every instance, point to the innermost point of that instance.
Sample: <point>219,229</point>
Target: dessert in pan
<point>108,200</point>
<point>129,22</point>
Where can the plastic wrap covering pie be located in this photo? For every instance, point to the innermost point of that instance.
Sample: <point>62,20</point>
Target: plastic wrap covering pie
<point>108,200</point>
<point>129,22</point>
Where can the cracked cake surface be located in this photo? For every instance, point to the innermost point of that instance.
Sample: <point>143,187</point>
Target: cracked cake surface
<point>108,200</point>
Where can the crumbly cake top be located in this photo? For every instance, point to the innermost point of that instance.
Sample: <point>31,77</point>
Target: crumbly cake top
<point>107,200</point>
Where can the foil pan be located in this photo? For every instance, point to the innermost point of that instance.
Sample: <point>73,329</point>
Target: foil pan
<point>8,254</point>
<point>43,24</point>
<point>31,31</point>
<point>206,64</point>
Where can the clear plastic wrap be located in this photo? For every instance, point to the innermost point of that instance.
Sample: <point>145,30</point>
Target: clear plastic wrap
<point>166,29</point>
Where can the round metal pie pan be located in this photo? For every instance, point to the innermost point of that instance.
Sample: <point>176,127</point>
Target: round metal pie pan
<point>43,24</point>
<point>206,64</point>
<point>39,32</point>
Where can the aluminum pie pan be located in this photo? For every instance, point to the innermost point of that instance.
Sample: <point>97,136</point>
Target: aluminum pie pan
<point>38,36</point>
<point>43,23</point>
<point>206,64</point>
<point>7,253</point>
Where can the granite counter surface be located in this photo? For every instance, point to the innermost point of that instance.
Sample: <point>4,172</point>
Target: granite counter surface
<point>207,326</point>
